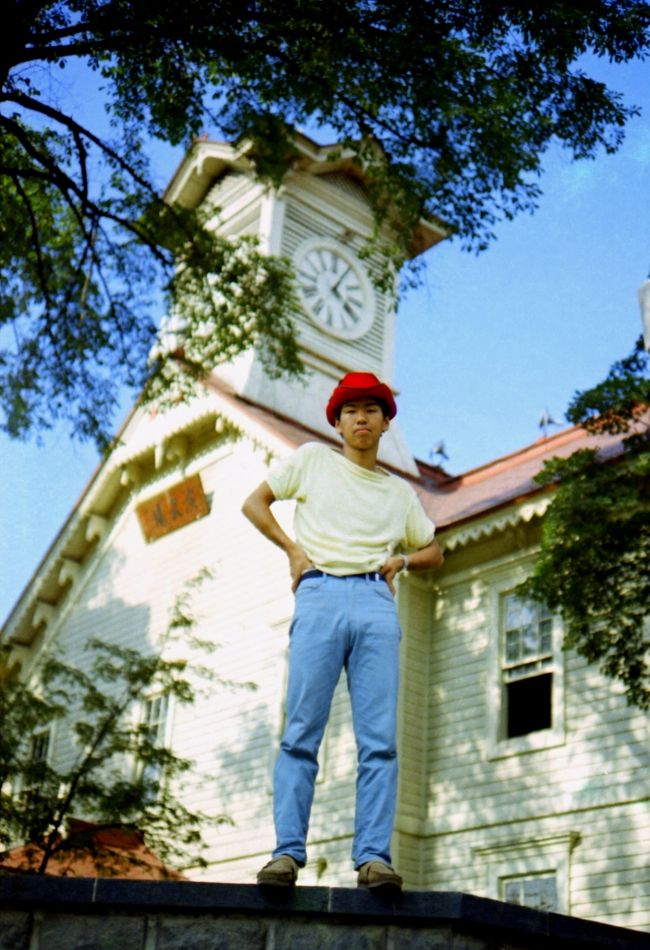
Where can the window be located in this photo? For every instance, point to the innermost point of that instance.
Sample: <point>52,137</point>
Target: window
<point>532,872</point>
<point>155,719</point>
<point>538,891</point>
<point>525,700</point>
<point>32,781</point>
<point>40,747</point>
<point>526,667</point>
<point>39,750</point>
<point>323,749</point>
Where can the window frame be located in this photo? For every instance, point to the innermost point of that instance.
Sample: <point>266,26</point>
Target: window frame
<point>525,858</point>
<point>18,783</point>
<point>525,878</point>
<point>499,745</point>
<point>323,757</point>
<point>164,740</point>
<point>21,784</point>
<point>35,739</point>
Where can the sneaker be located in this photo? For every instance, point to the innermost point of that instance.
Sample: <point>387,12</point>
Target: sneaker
<point>280,872</point>
<point>376,874</point>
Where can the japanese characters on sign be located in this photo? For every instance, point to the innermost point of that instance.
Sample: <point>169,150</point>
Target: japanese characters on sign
<point>172,509</point>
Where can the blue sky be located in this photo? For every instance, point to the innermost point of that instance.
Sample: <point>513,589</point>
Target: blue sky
<point>484,346</point>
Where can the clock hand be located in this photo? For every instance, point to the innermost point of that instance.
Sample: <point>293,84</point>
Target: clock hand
<point>336,285</point>
<point>353,316</point>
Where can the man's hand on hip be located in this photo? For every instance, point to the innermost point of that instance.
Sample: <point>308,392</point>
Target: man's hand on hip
<point>298,563</point>
<point>391,568</point>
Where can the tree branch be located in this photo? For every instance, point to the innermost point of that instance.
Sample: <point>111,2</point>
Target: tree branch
<point>35,105</point>
<point>80,132</point>
<point>40,262</point>
<point>66,185</point>
<point>82,769</point>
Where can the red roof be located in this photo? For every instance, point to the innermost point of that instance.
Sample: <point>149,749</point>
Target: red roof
<point>92,850</point>
<point>452,499</point>
<point>508,479</point>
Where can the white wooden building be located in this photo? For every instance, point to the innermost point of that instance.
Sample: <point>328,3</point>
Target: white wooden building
<point>524,774</point>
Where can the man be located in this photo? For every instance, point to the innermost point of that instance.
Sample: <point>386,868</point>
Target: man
<point>352,522</point>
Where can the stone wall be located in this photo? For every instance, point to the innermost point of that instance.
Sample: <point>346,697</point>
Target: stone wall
<point>41,913</point>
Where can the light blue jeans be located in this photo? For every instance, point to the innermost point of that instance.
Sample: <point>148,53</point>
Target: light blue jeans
<point>340,623</point>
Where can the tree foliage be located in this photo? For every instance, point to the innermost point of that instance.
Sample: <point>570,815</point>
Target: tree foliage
<point>121,772</point>
<point>449,107</point>
<point>594,563</point>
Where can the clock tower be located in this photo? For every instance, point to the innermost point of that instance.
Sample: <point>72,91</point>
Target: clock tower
<point>320,218</point>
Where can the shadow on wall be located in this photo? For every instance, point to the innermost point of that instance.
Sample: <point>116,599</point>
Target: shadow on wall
<point>244,789</point>
<point>588,783</point>
<point>109,744</point>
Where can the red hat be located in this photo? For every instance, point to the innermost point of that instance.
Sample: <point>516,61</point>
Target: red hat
<point>356,386</point>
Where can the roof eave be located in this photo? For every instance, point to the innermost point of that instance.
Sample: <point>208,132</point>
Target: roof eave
<point>206,161</point>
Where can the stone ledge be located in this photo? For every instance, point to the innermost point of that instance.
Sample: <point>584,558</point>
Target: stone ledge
<point>451,912</point>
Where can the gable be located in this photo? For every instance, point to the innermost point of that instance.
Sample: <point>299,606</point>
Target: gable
<point>153,447</point>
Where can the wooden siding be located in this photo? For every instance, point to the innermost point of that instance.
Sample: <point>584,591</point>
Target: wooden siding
<point>595,783</point>
<point>244,607</point>
<point>463,812</point>
<point>413,725</point>
<point>309,212</point>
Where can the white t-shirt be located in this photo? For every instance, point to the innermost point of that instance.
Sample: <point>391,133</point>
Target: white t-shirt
<point>348,519</point>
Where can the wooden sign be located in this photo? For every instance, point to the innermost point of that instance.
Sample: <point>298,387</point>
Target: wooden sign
<point>172,509</point>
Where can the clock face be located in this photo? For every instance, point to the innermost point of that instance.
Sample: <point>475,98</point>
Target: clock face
<point>334,288</point>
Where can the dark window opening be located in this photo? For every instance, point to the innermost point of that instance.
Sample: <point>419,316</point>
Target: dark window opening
<point>40,747</point>
<point>529,705</point>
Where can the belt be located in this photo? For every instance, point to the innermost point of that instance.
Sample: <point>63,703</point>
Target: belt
<point>369,575</point>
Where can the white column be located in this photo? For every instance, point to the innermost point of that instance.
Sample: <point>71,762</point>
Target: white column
<point>644,301</point>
